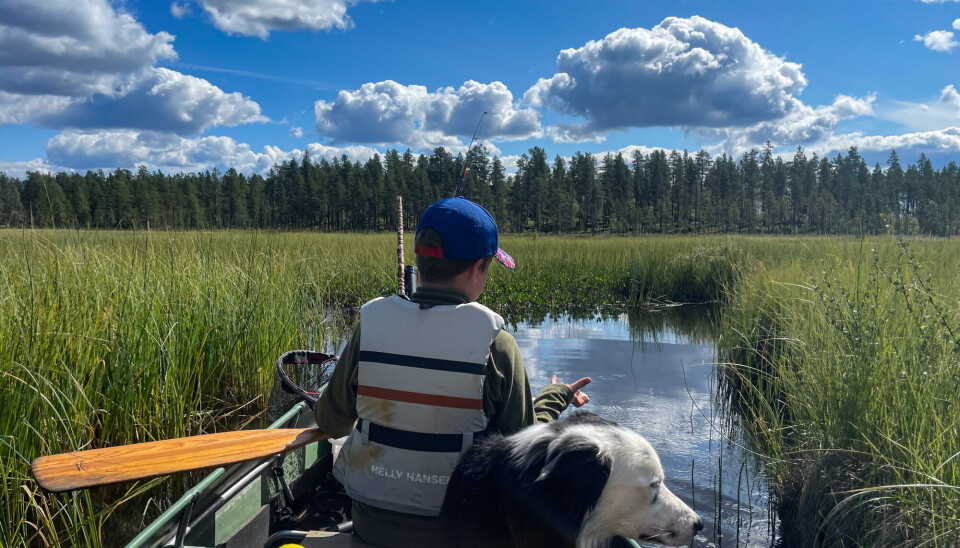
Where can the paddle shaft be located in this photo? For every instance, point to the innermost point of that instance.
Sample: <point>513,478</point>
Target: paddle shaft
<point>94,467</point>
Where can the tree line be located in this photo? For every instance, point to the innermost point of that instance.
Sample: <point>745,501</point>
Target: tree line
<point>658,192</point>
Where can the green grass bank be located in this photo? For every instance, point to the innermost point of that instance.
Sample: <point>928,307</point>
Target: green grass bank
<point>844,362</point>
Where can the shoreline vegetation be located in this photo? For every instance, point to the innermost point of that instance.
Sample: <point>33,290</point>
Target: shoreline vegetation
<point>840,353</point>
<point>844,363</point>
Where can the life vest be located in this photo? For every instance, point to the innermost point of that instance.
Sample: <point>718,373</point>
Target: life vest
<point>419,401</point>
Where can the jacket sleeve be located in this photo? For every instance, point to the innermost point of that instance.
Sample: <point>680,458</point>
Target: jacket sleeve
<point>336,409</point>
<point>552,401</point>
<point>508,400</point>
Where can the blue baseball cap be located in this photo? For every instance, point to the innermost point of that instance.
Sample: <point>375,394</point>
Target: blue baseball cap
<point>468,231</point>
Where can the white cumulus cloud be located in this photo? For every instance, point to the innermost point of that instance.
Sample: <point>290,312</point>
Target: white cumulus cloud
<point>296,132</point>
<point>19,109</point>
<point>907,145</point>
<point>20,169</point>
<point>86,64</point>
<point>628,151</point>
<point>391,113</point>
<point>260,17</point>
<point>937,40</point>
<point>682,72</point>
<point>180,9</point>
<point>803,125</point>
<point>163,100</point>
<point>129,148</point>
<point>73,48</point>
<point>510,163</point>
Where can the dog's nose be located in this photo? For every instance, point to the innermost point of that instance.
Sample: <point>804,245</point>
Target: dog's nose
<point>698,526</point>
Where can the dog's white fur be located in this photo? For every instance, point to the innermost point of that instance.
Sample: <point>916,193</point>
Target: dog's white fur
<point>633,502</point>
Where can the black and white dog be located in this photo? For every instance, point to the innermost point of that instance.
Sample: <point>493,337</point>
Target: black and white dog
<point>577,482</point>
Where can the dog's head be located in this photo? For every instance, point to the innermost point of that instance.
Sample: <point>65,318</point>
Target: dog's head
<point>575,482</point>
<point>635,503</point>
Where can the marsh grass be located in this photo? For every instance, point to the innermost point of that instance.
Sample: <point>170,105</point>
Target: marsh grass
<point>842,360</point>
<point>110,338</point>
<point>115,338</point>
<point>847,370</point>
<point>586,277</point>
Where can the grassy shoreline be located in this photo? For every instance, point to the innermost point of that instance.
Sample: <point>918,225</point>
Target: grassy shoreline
<point>844,363</point>
<point>115,337</point>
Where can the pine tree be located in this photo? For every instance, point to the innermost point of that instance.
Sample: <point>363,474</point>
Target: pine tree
<point>750,204</point>
<point>658,170</point>
<point>498,193</point>
<point>11,209</point>
<point>702,198</point>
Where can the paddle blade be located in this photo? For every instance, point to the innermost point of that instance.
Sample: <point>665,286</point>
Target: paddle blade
<point>82,469</point>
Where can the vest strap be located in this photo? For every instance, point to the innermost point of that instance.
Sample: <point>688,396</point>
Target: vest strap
<point>412,441</point>
<point>422,363</point>
<point>363,427</point>
<point>468,438</point>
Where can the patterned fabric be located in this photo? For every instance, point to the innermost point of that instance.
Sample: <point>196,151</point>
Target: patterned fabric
<point>505,260</point>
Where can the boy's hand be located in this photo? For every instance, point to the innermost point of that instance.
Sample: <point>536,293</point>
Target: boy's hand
<point>579,398</point>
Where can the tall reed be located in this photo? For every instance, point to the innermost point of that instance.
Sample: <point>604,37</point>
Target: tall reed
<point>110,338</point>
<point>584,276</point>
<point>115,338</point>
<point>842,354</point>
<point>845,362</point>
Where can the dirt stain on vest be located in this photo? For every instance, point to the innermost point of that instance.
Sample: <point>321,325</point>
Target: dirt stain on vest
<point>385,412</point>
<point>377,410</point>
<point>361,460</point>
<point>388,411</point>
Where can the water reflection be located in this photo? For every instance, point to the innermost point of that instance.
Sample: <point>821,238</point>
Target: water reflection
<point>655,373</point>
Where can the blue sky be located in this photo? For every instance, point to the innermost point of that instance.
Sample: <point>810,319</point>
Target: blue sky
<point>195,84</point>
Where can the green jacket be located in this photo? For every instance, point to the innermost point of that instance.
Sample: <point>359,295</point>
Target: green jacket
<point>507,402</point>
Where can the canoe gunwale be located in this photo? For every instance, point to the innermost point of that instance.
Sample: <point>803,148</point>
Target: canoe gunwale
<point>159,533</point>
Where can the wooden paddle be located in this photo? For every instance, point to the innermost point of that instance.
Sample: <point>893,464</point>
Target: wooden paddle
<point>82,469</point>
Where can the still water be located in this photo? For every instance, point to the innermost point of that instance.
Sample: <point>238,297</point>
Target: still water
<point>656,373</point>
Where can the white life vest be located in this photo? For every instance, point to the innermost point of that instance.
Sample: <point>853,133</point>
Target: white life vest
<point>419,401</point>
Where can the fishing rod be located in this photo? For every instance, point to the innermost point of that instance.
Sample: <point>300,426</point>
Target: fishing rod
<point>406,275</point>
<point>466,161</point>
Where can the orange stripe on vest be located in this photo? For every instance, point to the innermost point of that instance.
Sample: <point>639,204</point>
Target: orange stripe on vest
<point>422,399</point>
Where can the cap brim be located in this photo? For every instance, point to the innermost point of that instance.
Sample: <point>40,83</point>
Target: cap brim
<point>505,260</point>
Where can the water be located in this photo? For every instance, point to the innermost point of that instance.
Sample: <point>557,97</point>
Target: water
<point>656,374</point>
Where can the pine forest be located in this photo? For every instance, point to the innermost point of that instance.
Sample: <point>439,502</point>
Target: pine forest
<point>660,192</point>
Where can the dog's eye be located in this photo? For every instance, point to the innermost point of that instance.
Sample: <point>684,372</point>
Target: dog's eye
<point>655,487</point>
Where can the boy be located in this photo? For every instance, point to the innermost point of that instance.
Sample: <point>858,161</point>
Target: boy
<point>420,378</point>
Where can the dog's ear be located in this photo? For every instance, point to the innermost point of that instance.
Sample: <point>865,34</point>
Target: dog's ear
<point>574,474</point>
<point>566,456</point>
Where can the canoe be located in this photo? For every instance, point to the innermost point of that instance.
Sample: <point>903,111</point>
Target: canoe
<point>290,499</point>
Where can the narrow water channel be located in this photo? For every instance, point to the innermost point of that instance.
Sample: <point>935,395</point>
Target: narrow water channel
<point>655,372</point>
